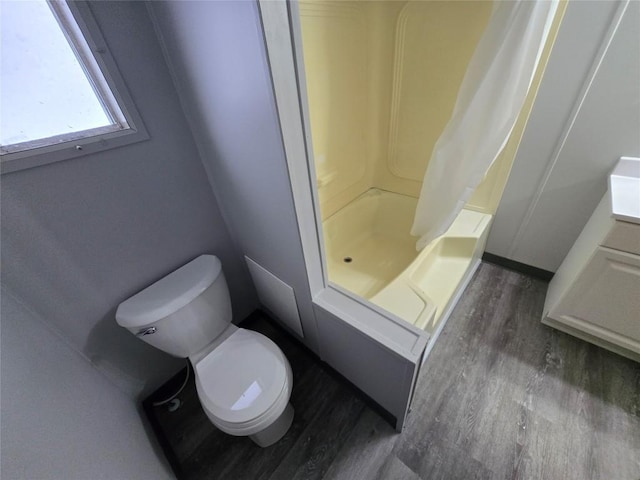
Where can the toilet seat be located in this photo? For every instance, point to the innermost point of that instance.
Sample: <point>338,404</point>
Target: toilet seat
<point>259,423</point>
<point>244,383</point>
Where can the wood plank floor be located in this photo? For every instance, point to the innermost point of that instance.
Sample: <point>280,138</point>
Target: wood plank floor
<point>501,397</point>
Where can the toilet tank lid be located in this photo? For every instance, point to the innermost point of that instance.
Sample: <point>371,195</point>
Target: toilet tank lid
<point>170,293</point>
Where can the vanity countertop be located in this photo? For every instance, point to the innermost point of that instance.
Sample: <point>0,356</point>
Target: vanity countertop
<point>624,188</point>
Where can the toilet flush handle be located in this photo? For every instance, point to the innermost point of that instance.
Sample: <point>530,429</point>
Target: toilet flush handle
<point>147,331</point>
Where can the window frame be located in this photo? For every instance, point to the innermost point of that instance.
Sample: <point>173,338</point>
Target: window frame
<point>77,21</point>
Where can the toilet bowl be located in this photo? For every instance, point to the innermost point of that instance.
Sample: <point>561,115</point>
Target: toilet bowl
<point>243,379</point>
<point>255,402</point>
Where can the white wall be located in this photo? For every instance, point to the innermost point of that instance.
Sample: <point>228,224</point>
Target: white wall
<point>61,418</point>
<point>220,67</point>
<point>587,115</point>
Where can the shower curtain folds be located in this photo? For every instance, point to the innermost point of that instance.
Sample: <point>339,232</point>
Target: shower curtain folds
<point>489,102</point>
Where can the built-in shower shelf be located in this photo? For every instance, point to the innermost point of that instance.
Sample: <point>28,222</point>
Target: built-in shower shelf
<point>427,290</point>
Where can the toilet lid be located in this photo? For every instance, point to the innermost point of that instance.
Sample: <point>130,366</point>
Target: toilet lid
<point>241,378</point>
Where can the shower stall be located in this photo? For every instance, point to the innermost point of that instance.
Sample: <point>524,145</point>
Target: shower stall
<point>382,82</point>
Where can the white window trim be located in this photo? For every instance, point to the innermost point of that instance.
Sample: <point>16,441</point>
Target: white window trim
<point>128,126</point>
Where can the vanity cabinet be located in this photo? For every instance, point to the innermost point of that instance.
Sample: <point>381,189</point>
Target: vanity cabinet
<point>595,294</point>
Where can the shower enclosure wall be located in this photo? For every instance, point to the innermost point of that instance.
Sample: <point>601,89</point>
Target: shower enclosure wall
<point>382,79</point>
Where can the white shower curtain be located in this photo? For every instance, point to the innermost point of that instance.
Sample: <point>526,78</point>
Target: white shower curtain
<point>489,101</point>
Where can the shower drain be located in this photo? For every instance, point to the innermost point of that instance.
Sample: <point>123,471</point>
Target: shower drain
<point>347,259</point>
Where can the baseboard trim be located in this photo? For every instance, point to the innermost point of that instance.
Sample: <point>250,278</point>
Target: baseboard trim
<point>518,267</point>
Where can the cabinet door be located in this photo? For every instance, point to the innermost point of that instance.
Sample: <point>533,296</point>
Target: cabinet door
<point>605,299</point>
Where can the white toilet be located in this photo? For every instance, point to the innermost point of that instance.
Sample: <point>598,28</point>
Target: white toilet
<point>243,379</point>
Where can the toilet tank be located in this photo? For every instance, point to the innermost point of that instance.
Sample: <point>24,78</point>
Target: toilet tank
<point>182,312</point>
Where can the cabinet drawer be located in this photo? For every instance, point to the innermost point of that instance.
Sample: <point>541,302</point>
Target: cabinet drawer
<point>604,301</point>
<point>624,236</point>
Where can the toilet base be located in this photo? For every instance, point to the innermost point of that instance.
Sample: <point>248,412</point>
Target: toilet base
<point>276,430</point>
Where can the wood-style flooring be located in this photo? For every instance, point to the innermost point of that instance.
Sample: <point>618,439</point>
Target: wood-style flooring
<point>501,397</point>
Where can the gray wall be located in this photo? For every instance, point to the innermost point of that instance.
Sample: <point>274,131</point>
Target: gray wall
<point>60,417</point>
<point>79,237</point>
<point>577,131</point>
<point>217,54</point>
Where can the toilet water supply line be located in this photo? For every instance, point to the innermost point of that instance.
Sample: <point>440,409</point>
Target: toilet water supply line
<point>174,406</point>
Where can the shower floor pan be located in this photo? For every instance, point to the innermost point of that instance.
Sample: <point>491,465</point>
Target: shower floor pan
<point>369,263</point>
<point>370,253</point>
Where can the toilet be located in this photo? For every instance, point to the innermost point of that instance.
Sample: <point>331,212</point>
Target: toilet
<point>243,379</point>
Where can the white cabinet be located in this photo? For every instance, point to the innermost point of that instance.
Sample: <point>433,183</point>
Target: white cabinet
<point>595,294</point>
<point>604,301</point>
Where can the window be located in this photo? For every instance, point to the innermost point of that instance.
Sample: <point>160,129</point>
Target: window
<point>60,93</point>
